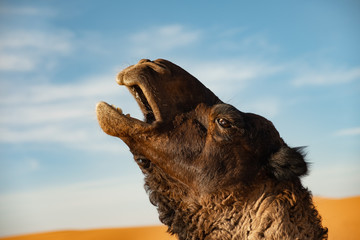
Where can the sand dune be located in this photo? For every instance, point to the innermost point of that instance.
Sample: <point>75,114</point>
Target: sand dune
<point>136,233</point>
<point>341,216</point>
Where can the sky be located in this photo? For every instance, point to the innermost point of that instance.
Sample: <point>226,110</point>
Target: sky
<point>296,63</point>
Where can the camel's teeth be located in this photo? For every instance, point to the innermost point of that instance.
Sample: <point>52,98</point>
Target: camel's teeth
<point>119,110</point>
<point>137,96</point>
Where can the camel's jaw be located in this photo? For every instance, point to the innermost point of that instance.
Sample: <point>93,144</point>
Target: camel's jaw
<point>162,90</point>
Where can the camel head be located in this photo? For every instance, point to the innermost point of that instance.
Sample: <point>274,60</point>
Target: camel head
<point>191,137</point>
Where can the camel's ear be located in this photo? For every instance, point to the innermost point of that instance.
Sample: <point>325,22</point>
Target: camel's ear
<point>288,163</point>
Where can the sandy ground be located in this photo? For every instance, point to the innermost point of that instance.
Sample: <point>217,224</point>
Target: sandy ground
<point>136,233</point>
<point>341,216</point>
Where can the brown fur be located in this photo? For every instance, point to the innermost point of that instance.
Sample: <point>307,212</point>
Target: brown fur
<point>212,171</point>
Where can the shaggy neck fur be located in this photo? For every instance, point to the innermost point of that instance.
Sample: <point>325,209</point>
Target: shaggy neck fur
<point>277,210</point>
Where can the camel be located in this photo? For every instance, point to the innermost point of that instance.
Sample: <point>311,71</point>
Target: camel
<point>212,171</point>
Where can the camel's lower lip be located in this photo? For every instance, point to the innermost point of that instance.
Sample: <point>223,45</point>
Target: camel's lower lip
<point>114,111</point>
<point>115,123</point>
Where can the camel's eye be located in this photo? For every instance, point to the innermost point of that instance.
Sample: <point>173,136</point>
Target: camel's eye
<point>223,122</point>
<point>143,162</point>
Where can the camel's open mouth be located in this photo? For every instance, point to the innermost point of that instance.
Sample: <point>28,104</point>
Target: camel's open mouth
<point>143,102</point>
<point>136,91</point>
<point>146,104</point>
<point>113,120</point>
<point>162,90</point>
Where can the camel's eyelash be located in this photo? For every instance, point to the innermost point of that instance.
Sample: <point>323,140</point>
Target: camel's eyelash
<point>224,123</point>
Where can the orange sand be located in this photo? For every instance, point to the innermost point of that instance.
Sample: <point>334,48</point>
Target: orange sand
<point>136,233</point>
<point>341,216</point>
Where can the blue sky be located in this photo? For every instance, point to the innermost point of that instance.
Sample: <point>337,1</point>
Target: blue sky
<point>296,63</point>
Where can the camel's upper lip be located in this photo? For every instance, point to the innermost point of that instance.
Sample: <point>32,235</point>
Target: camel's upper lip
<point>142,89</point>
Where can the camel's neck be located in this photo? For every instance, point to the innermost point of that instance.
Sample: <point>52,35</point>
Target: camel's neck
<point>228,215</point>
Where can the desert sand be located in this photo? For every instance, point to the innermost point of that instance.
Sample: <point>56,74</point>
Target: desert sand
<point>341,216</point>
<point>136,233</point>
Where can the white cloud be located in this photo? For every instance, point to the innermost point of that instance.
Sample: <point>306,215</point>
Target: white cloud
<point>11,62</point>
<point>49,92</point>
<point>348,132</point>
<point>25,50</point>
<point>96,204</point>
<point>26,11</point>
<point>61,113</point>
<point>45,113</point>
<point>53,133</point>
<point>327,76</point>
<point>57,41</point>
<point>34,164</point>
<point>269,107</point>
<point>162,38</point>
<point>225,71</point>
<point>258,41</point>
<point>51,103</point>
<point>227,77</point>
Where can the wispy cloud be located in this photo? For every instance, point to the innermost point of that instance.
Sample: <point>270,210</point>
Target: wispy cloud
<point>26,50</point>
<point>226,76</point>
<point>36,110</point>
<point>348,132</point>
<point>58,41</point>
<point>33,164</point>
<point>50,133</point>
<point>162,39</point>
<point>12,62</point>
<point>93,86</point>
<point>325,77</point>
<point>26,11</point>
<point>258,41</point>
<point>269,107</point>
<point>61,113</point>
